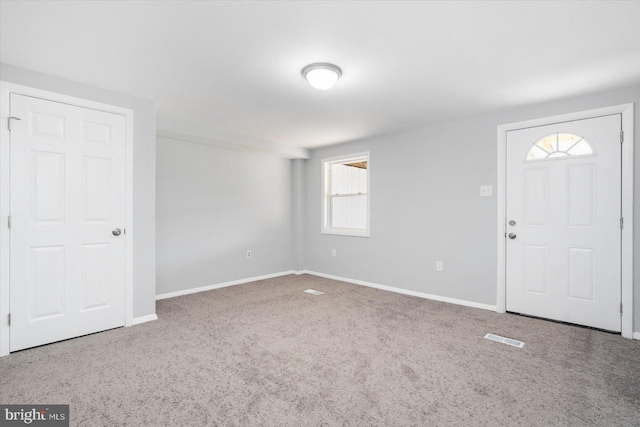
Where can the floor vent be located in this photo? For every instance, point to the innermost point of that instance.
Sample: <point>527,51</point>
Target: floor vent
<point>314,292</point>
<point>503,340</point>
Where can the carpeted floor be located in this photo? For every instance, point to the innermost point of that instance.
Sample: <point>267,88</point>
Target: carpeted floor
<point>267,354</point>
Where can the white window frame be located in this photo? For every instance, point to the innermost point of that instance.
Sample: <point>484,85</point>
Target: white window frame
<point>324,166</point>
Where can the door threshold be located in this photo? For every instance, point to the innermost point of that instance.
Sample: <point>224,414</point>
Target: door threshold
<point>565,323</point>
<point>67,339</point>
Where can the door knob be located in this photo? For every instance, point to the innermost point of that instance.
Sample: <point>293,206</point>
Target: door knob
<point>512,236</point>
<point>116,232</point>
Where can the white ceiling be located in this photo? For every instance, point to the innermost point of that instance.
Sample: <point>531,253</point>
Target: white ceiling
<point>235,66</point>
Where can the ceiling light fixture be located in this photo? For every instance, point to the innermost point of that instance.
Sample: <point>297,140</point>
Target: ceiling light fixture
<point>321,75</point>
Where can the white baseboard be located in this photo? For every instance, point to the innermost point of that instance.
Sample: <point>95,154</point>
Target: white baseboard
<point>636,335</point>
<point>222,285</point>
<point>144,319</point>
<point>137,320</point>
<point>402,291</point>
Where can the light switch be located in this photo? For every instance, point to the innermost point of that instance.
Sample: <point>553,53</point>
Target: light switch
<point>486,190</point>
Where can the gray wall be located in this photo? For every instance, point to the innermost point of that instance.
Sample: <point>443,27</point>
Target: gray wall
<point>144,155</point>
<point>214,204</point>
<point>425,206</point>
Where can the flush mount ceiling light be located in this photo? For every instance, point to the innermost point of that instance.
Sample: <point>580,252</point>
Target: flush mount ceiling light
<point>321,75</point>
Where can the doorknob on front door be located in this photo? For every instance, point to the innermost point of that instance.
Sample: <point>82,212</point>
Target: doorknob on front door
<point>116,232</point>
<point>512,236</point>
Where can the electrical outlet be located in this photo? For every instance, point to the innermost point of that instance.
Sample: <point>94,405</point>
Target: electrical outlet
<point>333,252</point>
<point>248,254</point>
<point>486,191</point>
<point>439,266</point>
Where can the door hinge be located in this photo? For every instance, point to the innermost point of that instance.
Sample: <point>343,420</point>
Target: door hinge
<point>9,222</point>
<point>621,137</point>
<point>621,223</point>
<point>9,319</point>
<point>9,121</point>
<point>620,308</point>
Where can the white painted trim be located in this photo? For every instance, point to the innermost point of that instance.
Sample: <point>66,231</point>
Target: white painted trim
<point>502,221</point>
<point>129,231</point>
<point>222,285</point>
<point>5,162</point>
<point>345,232</point>
<point>627,214</point>
<point>201,134</point>
<point>324,229</point>
<point>144,319</point>
<point>626,110</point>
<point>5,187</point>
<point>636,335</point>
<point>402,291</point>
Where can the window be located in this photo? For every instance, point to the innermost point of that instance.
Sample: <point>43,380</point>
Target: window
<point>560,145</point>
<point>345,196</point>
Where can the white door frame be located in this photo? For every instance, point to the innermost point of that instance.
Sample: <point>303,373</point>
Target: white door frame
<point>627,201</point>
<point>5,188</point>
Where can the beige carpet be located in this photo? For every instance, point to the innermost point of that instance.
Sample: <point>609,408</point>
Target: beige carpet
<point>267,354</point>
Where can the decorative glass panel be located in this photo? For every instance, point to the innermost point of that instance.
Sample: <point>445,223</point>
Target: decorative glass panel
<point>558,146</point>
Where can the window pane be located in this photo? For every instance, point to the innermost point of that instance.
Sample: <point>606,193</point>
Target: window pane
<point>339,180</point>
<point>347,179</point>
<point>548,143</point>
<point>567,140</point>
<point>581,148</point>
<point>362,179</point>
<point>349,211</point>
<point>536,153</point>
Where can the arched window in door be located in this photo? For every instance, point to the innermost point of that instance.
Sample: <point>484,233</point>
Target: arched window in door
<point>560,145</point>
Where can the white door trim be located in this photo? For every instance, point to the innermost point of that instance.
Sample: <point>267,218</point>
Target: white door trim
<point>5,187</point>
<point>626,110</point>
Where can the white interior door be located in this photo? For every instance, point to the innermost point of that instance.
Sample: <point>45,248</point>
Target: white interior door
<point>67,268</point>
<point>563,222</point>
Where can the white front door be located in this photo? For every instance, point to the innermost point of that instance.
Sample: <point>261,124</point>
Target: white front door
<point>67,268</point>
<point>563,222</point>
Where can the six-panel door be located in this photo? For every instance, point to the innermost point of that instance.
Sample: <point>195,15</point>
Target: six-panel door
<point>67,196</point>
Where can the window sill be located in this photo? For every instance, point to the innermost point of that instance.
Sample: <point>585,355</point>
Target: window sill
<point>345,232</point>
